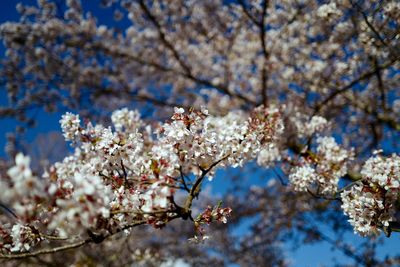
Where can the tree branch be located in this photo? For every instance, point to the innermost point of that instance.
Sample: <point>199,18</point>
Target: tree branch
<point>78,244</point>
<point>366,75</point>
<point>264,74</point>
<point>194,191</point>
<point>46,251</point>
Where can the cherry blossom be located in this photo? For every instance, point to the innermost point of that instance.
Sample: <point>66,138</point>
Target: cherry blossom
<point>371,203</point>
<point>293,94</point>
<point>120,175</point>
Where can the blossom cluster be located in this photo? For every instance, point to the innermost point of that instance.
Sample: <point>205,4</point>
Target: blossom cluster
<point>321,170</point>
<point>128,173</point>
<point>371,202</point>
<point>209,215</point>
<point>307,127</point>
<point>232,139</point>
<point>330,66</point>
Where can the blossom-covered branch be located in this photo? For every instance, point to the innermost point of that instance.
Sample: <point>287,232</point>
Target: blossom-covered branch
<point>116,178</point>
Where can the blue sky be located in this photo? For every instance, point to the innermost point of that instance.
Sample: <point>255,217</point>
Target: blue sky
<point>319,254</point>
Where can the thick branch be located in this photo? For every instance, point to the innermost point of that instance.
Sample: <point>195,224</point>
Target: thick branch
<point>71,246</point>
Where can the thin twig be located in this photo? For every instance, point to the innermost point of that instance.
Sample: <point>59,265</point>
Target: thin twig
<point>279,177</point>
<point>183,180</point>
<point>46,251</point>
<point>316,195</point>
<point>194,191</point>
<point>335,93</point>
<point>92,239</point>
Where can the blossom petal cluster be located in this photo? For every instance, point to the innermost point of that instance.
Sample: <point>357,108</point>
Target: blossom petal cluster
<point>306,127</point>
<point>127,173</point>
<point>371,203</point>
<point>321,171</point>
<point>332,68</point>
<point>232,139</point>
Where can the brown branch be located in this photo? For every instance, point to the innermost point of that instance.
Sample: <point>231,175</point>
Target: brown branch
<point>319,196</point>
<point>8,210</point>
<point>281,180</point>
<point>262,28</point>
<point>194,191</point>
<point>138,212</point>
<point>183,180</point>
<point>264,74</point>
<point>300,150</point>
<point>366,75</point>
<point>370,26</point>
<point>163,38</point>
<point>93,239</point>
<point>247,13</point>
<point>381,87</point>
<point>187,70</point>
<point>51,237</point>
<point>380,117</point>
<point>46,251</point>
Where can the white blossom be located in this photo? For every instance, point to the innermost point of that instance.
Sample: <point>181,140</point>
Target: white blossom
<point>120,175</point>
<point>330,164</point>
<point>303,177</point>
<point>70,124</point>
<point>370,204</point>
<point>328,10</point>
